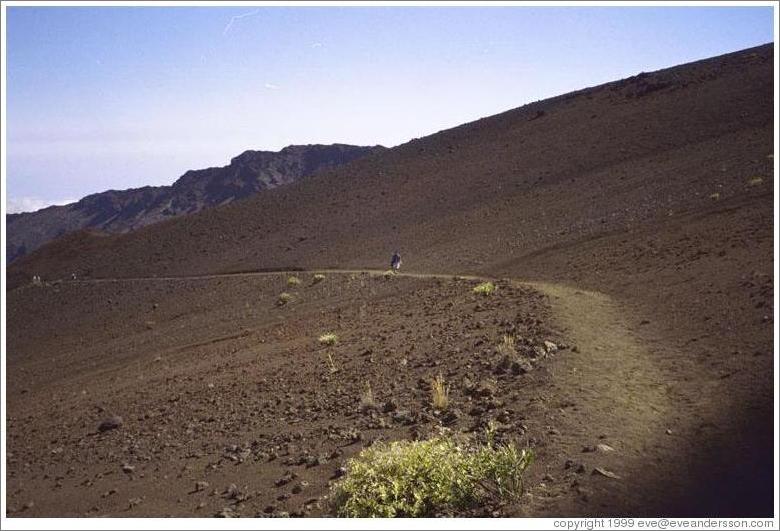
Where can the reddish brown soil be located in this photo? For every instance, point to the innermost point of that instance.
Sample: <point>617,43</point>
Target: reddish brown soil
<point>642,210</point>
<point>217,383</point>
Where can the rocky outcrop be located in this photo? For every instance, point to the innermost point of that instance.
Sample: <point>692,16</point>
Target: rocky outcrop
<point>119,211</point>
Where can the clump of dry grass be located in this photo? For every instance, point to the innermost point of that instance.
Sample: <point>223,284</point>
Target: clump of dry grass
<point>293,281</point>
<point>715,196</point>
<point>755,181</point>
<point>283,299</point>
<point>329,339</point>
<point>440,393</point>
<point>507,346</point>
<point>332,365</point>
<point>367,398</point>
<point>319,277</point>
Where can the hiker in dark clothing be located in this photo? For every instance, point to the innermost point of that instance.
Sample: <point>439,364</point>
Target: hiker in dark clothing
<point>395,261</point>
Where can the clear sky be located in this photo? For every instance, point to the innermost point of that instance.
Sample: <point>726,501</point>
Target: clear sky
<point>119,97</point>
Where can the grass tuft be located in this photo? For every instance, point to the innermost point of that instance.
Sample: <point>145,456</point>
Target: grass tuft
<point>319,277</point>
<point>428,478</point>
<point>486,288</point>
<point>440,393</point>
<point>755,181</point>
<point>329,339</point>
<point>332,365</point>
<point>507,346</point>
<point>367,398</point>
<point>293,281</point>
<point>283,299</point>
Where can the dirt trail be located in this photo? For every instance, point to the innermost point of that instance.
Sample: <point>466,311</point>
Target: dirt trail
<point>676,451</point>
<point>620,400</point>
<point>272,272</point>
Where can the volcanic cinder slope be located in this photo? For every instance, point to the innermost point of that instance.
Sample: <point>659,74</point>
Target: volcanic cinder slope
<point>640,211</point>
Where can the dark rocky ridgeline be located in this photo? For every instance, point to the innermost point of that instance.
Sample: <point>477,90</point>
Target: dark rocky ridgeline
<point>119,211</point>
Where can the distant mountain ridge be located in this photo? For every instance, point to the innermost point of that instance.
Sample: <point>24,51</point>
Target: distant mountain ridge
<point>120,211</point>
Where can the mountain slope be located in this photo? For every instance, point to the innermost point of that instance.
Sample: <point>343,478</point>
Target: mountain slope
<point>554,172</point>
<point>121,211</point>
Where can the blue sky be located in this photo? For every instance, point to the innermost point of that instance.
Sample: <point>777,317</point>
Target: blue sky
<point>118,97</point>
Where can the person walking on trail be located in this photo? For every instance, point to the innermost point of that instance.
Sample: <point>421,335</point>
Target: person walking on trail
<point>395,261</point>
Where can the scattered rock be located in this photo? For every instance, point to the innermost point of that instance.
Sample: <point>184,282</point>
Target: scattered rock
<point>403,417</point>
<point>504,417</point>
<point>287,478</point>
<point>493,403</point>
<point>232,492</point>
<point>503,365</point>
<point>128,469</point>
<point>604,448</point>
<point>135,501</point>
<point>201,486</point>
<point>390,406</point>
<point>297,489</point>
<point>604,472</point>
<point>521,367</point>
<point>226,512</point>
<point>316,460</point>
<point>111,423</point>
<point>486,388</point>
<point>549,346</point>
<point>477,411</point>
<point>339,472</point>
<point>468,385</point>
<point>451,415</point>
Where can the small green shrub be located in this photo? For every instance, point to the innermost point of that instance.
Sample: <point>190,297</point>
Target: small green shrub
<point>423,478</point>
<point>319,277</point>
<point>329,339</point>
<point>293,281</point>
<point>486,288</point>
<point>283,299</point>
